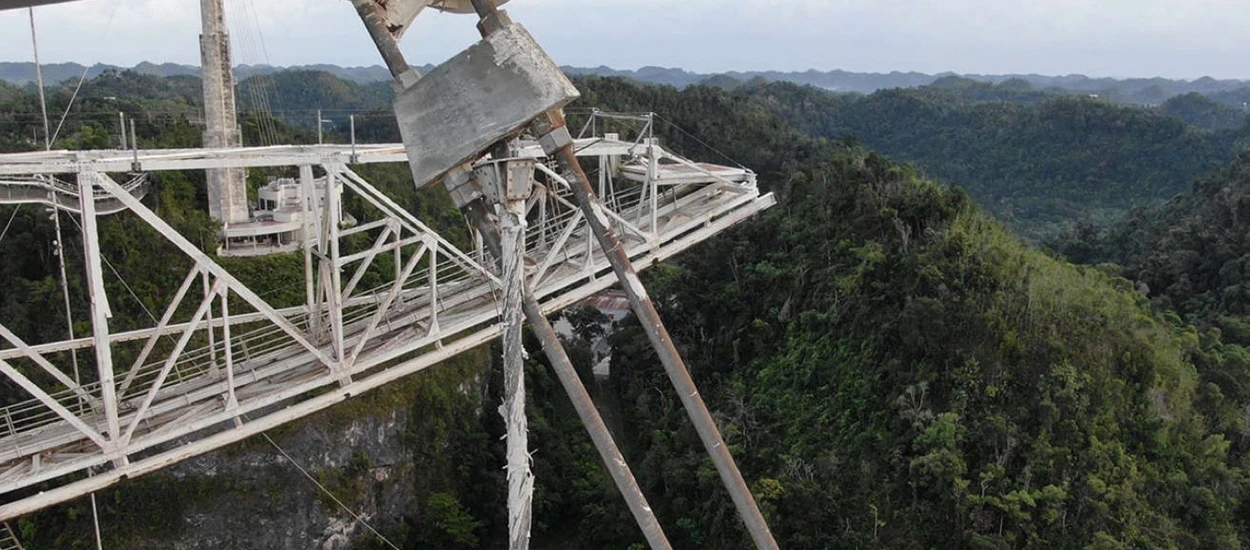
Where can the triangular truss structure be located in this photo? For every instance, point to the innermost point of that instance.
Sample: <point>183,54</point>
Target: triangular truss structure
<point>221,363</point>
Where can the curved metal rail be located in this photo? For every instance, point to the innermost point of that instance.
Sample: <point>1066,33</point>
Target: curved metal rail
<point>50,191</point>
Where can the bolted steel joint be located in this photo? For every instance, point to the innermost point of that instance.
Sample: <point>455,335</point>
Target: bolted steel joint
<point>544,125</point>
<point>507,180</point>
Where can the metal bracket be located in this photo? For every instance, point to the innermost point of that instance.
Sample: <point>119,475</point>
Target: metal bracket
<point>506,180</point>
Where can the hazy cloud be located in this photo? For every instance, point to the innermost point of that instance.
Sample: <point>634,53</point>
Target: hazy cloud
<point>1174,38</point>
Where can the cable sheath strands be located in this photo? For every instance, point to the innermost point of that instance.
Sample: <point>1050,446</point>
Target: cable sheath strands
<point>520,477</point>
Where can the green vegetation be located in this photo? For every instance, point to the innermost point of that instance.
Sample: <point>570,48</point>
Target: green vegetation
<point>295,96</point>
<point>1190,257</point>
<point>1190,253</point>
<point>894,370</point>
<point>1036,160</point>
<point>1204,112</point>
<point>907,375</point>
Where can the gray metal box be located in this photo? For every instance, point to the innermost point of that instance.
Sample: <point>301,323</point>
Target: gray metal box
<point>487,93</point>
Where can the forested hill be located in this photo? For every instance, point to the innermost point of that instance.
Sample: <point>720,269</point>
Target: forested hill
<point>1191,255</point>
<point>892,368</point>
<point>1139,91</point>
<point>896,370</point>
<point>1036,160</point>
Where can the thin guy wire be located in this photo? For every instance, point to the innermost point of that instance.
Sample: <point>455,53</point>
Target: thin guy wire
<point>83,78</point>
<point>10,224</point>
<point>327,492</point>
<point>701,142</point>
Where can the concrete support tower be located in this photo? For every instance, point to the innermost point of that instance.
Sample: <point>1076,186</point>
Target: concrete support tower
<point>227,187</point>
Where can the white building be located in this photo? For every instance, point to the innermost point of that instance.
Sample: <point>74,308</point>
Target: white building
<point>278,222</point>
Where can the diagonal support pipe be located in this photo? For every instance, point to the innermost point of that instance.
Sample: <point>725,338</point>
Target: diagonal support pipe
<point>558,144</point>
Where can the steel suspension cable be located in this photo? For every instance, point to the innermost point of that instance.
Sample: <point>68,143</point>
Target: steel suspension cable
<point>124,283</point>
<point>241,20</point>
<point>82,78</point>
<point>69,313</point>
<point>43,100</point>
<point>265,82</point>
<point>699,141</point>
<point>95,516</point>
<point>10,224</point>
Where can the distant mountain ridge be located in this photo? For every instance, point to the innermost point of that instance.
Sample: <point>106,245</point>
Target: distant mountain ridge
<point>22,73</point>
<point>1147,91</point>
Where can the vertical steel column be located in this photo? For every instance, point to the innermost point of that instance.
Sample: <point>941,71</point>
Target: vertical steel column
<point>69,310</point>
<point>434,299</point>
<point>214,368</point>
<point>232,401</point>
<point>309,193</point>
<point>656,332</point>
<point>653,181</point>
<point>334,293</point>
<point>100,311</point>
<point>511,213</point>
<point>43,102</point>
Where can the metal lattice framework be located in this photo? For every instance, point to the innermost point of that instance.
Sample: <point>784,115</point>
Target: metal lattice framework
<point>222,364</point>
<point>8,541</point>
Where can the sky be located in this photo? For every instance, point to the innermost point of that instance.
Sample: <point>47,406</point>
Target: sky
<point>1118,38</point>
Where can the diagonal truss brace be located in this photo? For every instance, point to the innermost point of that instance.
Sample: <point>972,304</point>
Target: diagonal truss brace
<point>60,410</point>
<point>209,266</point>
<point>47,366</point>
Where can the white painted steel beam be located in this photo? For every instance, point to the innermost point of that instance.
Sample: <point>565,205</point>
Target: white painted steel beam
<point>100,311</point>
<point>15,4</point>
<point>160,160</point>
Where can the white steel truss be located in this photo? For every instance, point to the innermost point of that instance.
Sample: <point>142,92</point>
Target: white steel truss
<point>8,541</point>
<point>222,364</point>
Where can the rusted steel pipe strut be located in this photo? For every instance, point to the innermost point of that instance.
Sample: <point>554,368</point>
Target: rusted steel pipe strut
<point>557,143</point>
<point>375,22</point>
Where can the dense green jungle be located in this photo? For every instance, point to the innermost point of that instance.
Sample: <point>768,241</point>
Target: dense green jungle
<point>981,316</point>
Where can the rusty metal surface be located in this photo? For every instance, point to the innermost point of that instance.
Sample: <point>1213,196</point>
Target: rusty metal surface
<point>657,333</point>
<point>399,14</point>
